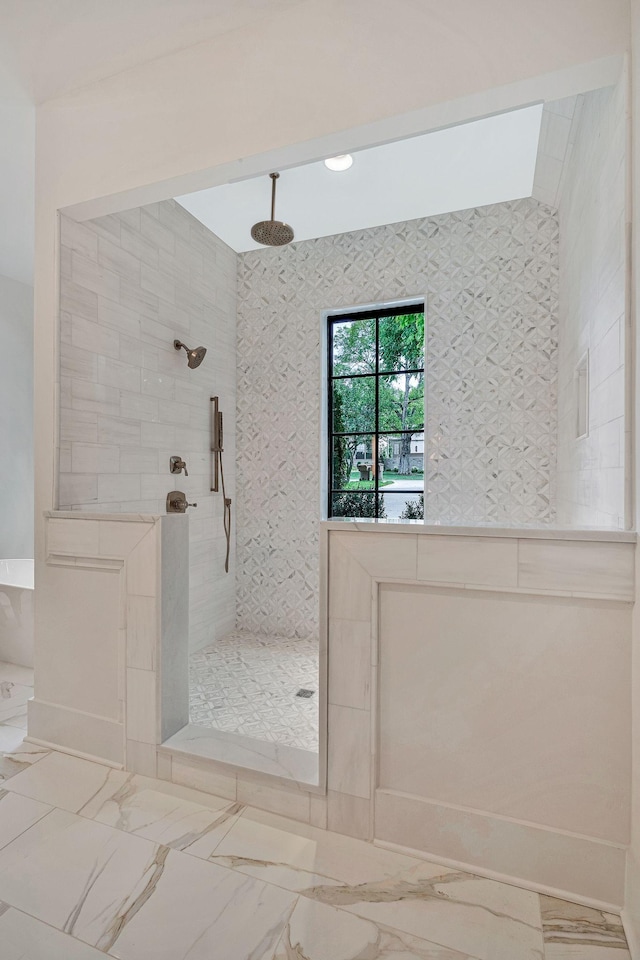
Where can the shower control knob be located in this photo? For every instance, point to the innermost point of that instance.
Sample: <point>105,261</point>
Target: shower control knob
<point>177,502</point>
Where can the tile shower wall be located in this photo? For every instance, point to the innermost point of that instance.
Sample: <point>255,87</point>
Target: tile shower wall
<point>490,276</point>
<point>130,284</point>
<point>593,270</point>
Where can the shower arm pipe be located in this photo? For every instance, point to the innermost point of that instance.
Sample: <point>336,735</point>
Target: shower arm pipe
<point>274,177</point>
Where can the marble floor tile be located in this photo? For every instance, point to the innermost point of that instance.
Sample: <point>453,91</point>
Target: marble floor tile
<point>478,917</point>
<point>574,932</point>
<point>20,758</point>
<point>201,912</point>
<point>14,673</point>
<point>78,876</point>
<point>577,951</point>
<point>17,814</point>
<point>487,919</point>
<point>25,938</point>
<point>135,784</point>
<point>13,702</point>
<point>16,688</point>
<point>165,818</point>
<point>137,900</point>
<point>10,737</point>
<point>96,861</point>
<point>299,857</point>
<point>167,813</point>
<point>319,932</point>
<point>19,720</point>
<point>66,782</point>
<point>247,684</point>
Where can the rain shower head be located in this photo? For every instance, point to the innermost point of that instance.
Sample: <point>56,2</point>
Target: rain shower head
<point>194,357</point>
<point>272,233</point>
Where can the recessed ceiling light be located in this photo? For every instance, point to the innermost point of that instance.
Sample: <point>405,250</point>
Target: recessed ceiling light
<point>343,162</point>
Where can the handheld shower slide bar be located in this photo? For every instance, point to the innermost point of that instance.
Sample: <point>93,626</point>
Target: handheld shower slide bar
<point>217,441</point>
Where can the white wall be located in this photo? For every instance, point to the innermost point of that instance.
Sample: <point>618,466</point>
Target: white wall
<point>16,418</point>
<point>476,706</point>
<point>130,284</point>
<point>593,279</point>
<point>631,913</point>
<point>17,169</point>
<point>490,278</point>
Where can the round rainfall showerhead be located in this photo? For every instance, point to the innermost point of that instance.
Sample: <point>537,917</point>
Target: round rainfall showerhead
<point>194,357</point>
<point>272,233</point>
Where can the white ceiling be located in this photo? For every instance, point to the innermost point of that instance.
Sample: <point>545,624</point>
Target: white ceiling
<point>486,161</point>
<point>50,47</point>
<point>54,46</point>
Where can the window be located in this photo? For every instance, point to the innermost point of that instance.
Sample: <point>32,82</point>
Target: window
<point>376,405</point>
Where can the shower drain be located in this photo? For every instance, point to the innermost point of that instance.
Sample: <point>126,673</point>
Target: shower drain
<point>305,693</point>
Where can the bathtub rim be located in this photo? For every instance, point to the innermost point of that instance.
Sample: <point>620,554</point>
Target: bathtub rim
<point>21,580</point>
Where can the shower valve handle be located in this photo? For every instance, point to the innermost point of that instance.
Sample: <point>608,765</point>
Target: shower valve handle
<point>177,502</point>
<point>177,465</point>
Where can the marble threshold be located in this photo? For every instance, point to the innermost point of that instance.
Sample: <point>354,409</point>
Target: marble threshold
<point>99,862</point>
<point>247,754</point>
<point>347,524</point>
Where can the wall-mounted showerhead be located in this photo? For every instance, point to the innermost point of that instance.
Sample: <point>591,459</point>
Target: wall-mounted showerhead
<point>195,356</point>
<point>272,233</point>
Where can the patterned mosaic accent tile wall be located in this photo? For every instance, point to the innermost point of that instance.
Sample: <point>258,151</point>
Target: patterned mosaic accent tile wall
<point>490,276</point>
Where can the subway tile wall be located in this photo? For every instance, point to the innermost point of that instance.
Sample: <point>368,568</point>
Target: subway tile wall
<point>490,278</point>
<point>593,315</point>
<point>557,135</point>
<point>130,284</point>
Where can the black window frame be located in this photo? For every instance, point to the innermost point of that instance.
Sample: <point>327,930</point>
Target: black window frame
<point>377,314</point>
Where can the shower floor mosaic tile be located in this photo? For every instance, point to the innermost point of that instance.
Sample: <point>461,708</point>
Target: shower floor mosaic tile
<point>248,684</point>
<point>97,862</point>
